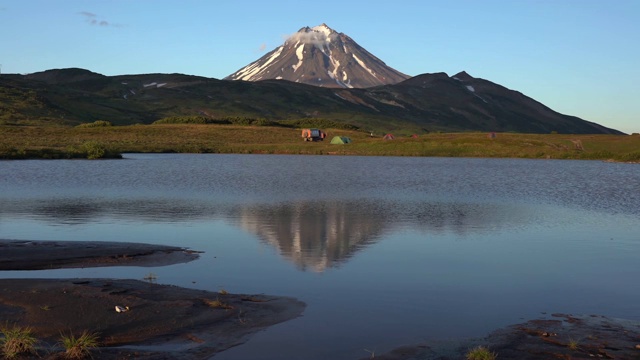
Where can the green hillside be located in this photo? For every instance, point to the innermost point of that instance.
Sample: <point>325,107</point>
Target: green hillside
<point>423,104</point>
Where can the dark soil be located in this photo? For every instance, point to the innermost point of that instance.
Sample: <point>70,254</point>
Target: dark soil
<point>43,255</point>
<point>559,337</point>
<point>162,322</point>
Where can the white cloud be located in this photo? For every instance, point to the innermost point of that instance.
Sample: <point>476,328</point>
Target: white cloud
<point>313,37</point>
<point>92,19</point>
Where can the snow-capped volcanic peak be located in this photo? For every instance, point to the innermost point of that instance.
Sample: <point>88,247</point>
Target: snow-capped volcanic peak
<point>323,28</point>
<point>318,35</point>
<point>323,57</point>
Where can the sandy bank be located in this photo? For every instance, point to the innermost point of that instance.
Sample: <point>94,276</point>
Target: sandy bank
<point>162,321</point>
<point>560,336</point>
<point>43,255</point>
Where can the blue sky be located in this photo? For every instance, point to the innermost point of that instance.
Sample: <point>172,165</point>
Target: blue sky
<point>579,57</point>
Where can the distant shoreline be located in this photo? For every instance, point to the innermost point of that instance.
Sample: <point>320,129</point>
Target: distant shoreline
<point>56,142</point>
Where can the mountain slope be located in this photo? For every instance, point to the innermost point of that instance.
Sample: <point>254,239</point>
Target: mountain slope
<point>464,102</point>
<point>320,56</point>
<point>428,102</point>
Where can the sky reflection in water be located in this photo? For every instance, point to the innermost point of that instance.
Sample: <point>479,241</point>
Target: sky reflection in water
<point>385,251</point>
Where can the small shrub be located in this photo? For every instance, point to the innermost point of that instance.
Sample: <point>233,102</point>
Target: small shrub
<point>318,123</point>
<point>93,150</point>
<point>264,122</point>
<point>481,353</point>
<point>97,123</point>
<point>573,344</point>
<point>633,156</point>
<point>183,120</point>
<point>217,304</point>
<point>79,347</point>
<point>16,340</point>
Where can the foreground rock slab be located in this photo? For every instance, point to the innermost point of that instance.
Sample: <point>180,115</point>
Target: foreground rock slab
<point>43,255</point>
<point>160,322</point>
<point>560,336</point>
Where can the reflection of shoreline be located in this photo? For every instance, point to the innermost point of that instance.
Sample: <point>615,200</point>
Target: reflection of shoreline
<point>313,236</point>
<point>321,235</point>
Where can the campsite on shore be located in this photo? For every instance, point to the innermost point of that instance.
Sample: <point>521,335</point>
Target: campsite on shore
<point>58,142</point>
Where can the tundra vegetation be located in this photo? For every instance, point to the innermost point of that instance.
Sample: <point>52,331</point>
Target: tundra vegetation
<point>79,347</point>
<point>258,136</point>
<point>481,353</point>
<point>16,340</point>
<point>217,304</point>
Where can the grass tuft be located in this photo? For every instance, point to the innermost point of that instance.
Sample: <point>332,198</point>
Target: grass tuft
<point>573,344</point>
<point>481,353</point>
<point>151,277</point>
<point>16,340</point>
<point>217,304</point>
<point>98,123</point>
<point>79,347</point>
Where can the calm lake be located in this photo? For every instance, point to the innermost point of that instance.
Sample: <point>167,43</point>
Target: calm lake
<point>385,251</point>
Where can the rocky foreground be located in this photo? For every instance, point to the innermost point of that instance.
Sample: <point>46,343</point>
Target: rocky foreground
<point>153,322</point>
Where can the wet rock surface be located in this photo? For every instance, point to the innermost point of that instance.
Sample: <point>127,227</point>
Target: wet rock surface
<point>133,319</point>
<point>560,336</point>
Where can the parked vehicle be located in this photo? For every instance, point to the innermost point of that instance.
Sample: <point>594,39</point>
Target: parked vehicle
<point>313,135</point>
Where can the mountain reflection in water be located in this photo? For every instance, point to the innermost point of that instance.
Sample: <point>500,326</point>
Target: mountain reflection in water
<point>314,235</point>
<point>384,250</point>
<point>320,235</point>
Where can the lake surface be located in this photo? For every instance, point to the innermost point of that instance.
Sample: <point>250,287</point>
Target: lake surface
<point>385,251</point>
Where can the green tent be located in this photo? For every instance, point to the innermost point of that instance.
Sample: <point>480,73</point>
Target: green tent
<point>340,140</point>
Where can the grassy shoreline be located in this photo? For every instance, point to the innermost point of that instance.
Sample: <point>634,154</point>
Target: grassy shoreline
<point>58,142</point>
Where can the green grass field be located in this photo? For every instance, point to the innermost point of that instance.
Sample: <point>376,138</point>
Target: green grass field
<point>21,142</point>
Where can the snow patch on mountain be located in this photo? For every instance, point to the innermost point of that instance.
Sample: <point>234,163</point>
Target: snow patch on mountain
<point>323,29</point>
<point>364,65</point>
<point>470,88</point>
<point>341,97</point>
<point>153,84</point>
<point>255,68</point>
<point>479,97</point>
<point>299,53</point>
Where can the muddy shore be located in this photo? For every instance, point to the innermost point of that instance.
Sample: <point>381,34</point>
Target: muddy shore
<point>558,336</point>
<point>166,322</point>
<point>161,321</point>
<point>43,255</point>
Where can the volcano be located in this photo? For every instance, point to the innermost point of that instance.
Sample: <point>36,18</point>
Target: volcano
<point>321,56</point>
